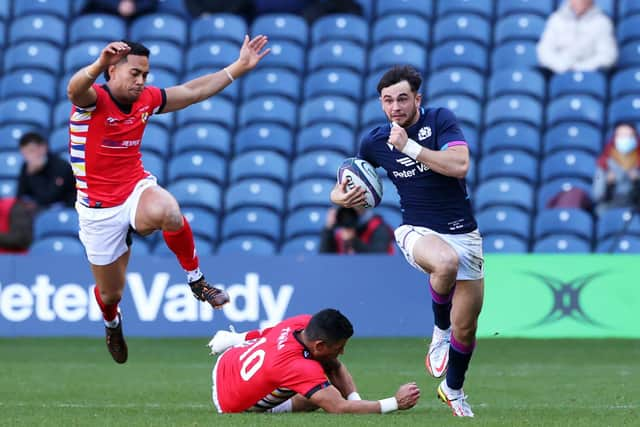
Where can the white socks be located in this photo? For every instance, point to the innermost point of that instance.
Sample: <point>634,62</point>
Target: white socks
<point>451,393</point>
<point>440,334</point>
<point>112,323</point>
<point>194,275</point>
<point>285,406</point>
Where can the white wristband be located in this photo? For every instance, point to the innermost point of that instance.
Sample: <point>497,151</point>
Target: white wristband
<point>229,74</point>
<point>389,404</point>
<point>354,396</point>
<point>412,149</point>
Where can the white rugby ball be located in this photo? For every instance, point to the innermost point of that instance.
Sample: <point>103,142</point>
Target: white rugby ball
<point>360,173</point>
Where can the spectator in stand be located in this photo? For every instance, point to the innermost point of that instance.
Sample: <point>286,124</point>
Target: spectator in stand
<point>16,225</point>
<point>617,178</point>
<point>126,9</point>
<point>198,8</point>
<point>577,37</point>
<point>355,230</point>
<point>45,179</point>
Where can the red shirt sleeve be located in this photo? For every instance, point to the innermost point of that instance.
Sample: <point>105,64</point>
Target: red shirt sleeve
<point>157,99</point>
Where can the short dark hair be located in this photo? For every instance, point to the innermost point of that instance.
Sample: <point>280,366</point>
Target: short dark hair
<point>136,49</point>
<point>32,137</point>
<point>329,325</point>
<point>399,73</point>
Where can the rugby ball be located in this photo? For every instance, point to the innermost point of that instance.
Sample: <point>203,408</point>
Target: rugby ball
<point>359,173</point>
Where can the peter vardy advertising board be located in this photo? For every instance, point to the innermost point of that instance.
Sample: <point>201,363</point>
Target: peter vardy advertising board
<point>525,296</point>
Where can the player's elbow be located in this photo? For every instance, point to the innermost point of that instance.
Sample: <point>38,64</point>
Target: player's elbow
<point>461,169</point>
<point>338,407</point>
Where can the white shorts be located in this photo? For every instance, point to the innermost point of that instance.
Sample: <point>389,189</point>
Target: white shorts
<point>468,247</point>
<point>103,231</point>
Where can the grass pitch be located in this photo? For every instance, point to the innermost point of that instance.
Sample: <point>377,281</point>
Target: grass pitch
<point>69,382</point>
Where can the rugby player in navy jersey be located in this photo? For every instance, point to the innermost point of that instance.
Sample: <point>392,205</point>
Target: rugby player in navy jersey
<point>426,156</point>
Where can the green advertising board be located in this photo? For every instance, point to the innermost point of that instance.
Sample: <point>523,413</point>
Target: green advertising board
<point>553,296</point>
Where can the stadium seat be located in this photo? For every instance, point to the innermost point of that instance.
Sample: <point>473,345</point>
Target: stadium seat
<point>326,136</point>
<point>156,139</point>
<point>624,244</point>
<point>561,243</point>
<point>504,192</point>
<point>210,55</point>
<point>340,27</point>
<point>159,26</point>
<point>453,81</point>
<point>259,164</point>
<point>328,109</point>
<point>424,8</point>
<point>575,108</point>
<point>271,81</point>
<point>33,55</point>
<point>514,54</point>
<point>513,108</point>
<point>629,55</point>
<point>268,109</point>
<point>97,27</point>
<point>282,26</point>
<point>335,54</point>
<point>625,109</point>
<point>607,6</point>
<point>392,53</point>
<point>80,55</point>
<point>335,82</point>
<point>10,164</point>
<point>196,193</point>
<point>154,164</point>
<point>203,246</point>
<point>43,28</point>
<point>391,215</point>
<point>617,221</point>
<point>59,141</point>
<point>483,8</point>
<point>26,110</point>
<point>465,108</point>
<point>371,115</point>
<point>511,136</point>
<point>578,83</point>
<point>502,244</point>
<point>310,192</point>
<point>550,189</point>
<point>255,192</point>
<point>219,26</point>
<point>56,222</point>
<point>568,164</point>
<point>316,164</point>
<point>29,83</point>
<point>162,78</point>
<point>462,27</point>
<point>390,196</point>
<point>518,81</point>
<point>628,29</point>
<point>625,82</point>
<point>628,8</point>
<point>459,54</point>
<point>10,135</point>
<point>252,221</point>
<point>5,12</point>
<point>563,221</point>
<point>57,245</point>
<point>518,27</point>
<point>165,55</point>
<point>371,85</point>
<point>505,220</point>
<point>197,164</point>
<point>543,8</point>
<point>61,113</point>
<point>248,245</point>
<point>3,39</point>
<point>52,7</point>
<point>8,187</point>
<point>203,223</point>
<point>285,54</point>
<point>202,136</point>
<point>304,221</point>
<point>509,163</point>
<point>401,27</point>
<point>211,111</point>
<point>264,136</point>
<point>303,245</point>
<point>165,120</point>
<point>572,136</point>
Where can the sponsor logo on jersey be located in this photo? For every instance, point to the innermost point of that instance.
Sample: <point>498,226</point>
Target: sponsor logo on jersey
<point>408,162</point>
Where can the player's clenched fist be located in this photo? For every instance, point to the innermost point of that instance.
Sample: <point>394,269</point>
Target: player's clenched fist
<point>398,137</point>
<point>113,53</point>
<point>407,395</point>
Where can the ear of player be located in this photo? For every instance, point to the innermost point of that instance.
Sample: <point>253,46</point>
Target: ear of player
<point>360,173</point>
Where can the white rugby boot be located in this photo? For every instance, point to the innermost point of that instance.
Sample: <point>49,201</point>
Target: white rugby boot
<point>455,399</point>
<point>224,340</point>
<point>437,359</point>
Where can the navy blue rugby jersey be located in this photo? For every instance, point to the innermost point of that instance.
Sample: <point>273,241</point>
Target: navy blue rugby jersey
<point>427,198</point>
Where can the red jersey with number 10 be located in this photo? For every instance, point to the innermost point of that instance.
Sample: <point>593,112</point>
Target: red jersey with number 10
<point>104,145</point>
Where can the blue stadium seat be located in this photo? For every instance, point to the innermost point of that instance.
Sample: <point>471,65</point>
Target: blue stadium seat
<point>578,83</point>
<point>8,187</point>
<point>155,164</point>
<point>504,192</point>
<point>390,196</point>
<point>252,221</point>
<point>271,81</point>
<point>392,53</point>
<point>255,192</point>
<point>159,26</point>
<point>219,26</point>
<point>5,12</point>
<point>629,55</point>
<point>57,245</point>
<point>462,27</point>
<point>59,141</point>
<point>10,135</point>
<point>391,215</point>
<point>197,164</point>
<point>607,6</point>
<point>514,54</point>
<point>197,193</point>
<point>303,245</point>
<point>29,83</point>
<point>10,164</point>
<point>3,39</point>
<point>26,110</point>
<point>310,192</point>
<point>174,7</point>
<point>514,108</point>
<point>625,82</point>
<point>210,55</point>
<point>572,136</point>
<point>519,81</point>
<point>215,110</point>
<point>624,244</point>
<point>628,29</point>
<point>328,109</point>
<point>165,120</point>
<point>337,81</point>
<point>424,8</point>
<point>52,7</point>
<point>509,163</point>
<point>268,109</point>
<point>401,27</point>
<point>203,223</point>
<point>463,81</point>
<point>202,136</point>
<point>33,55</point>
<point>259,164</point>
<point>568,164</point>
<point>162,78</point>
<point>61,113</point>
<point>165,55</point>
<point>97,27</point>
<point>543,8</point>
<point>326,136</point>
<point>459,54</point>
<point>203,246</point>
<point>56,222</point>
<point>340,27</point>
<point>337,54</point>
<point>264,136</point>
<point>505,220</point>
<point>371,115</point>
<point>304,221</point>
<point>616,221</point>
<point>519,27</point>
<point>285,54</point>
<point>316,164</point>
<point>562,243</point>
<point>471,136</point>
<point>575,108</point>
<point>43,28</point>
<point>247,245</point>
<point>548,190</point>
<point>80,55</point>
<point>628,8</point>
<point>282,26</point>
<point>371,85</point>
<point>156,139</point>
<point>483,8</point>
<point>625,109</point>
<point>563,221</point>
<point>511,136</point>
<point>465,108</point>
<point>502,244</point>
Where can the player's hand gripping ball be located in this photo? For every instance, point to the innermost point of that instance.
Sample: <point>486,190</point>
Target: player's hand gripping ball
<point>359,173</point>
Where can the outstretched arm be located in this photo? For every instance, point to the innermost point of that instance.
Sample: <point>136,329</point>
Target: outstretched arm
<point>331,400</point>
<point>201,88</point>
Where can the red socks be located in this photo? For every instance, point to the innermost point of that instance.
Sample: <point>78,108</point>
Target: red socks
<point>109,311</point>
<point>181,243</point>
